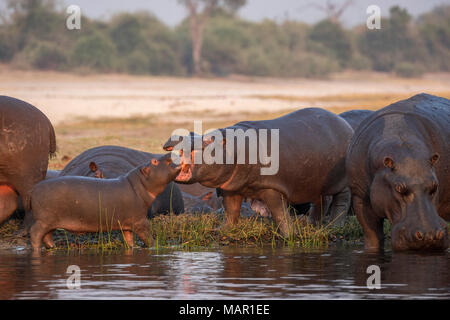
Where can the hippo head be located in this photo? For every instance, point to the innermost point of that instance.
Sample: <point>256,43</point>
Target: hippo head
<point>158,173</point>
<point>195,166</point>
<point>405,190</point>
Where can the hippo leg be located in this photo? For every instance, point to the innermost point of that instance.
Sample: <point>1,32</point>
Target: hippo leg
<point>142,229</point>
<point>129,238</point>
<point>278,206</point>
<point>48,240</point>
<point>232,203</point>
<point>340,206</point>
<point>8,202</point>
<point>37,232</point>
<point>28,221</point>
<point>371,224</point>
<point>316,213</point>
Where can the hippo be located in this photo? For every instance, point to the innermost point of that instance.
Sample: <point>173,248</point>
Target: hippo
<point>52,174</point>
<point>355,117</point>
<point>398,165</point>
<point>113,161</point>
<point>84,204</point>
<point>27,141</point>
<point>205,203</point>
<point>310,153</point>
<point>198,198</point>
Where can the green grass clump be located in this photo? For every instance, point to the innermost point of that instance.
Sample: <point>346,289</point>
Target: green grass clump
<point>190,231</point>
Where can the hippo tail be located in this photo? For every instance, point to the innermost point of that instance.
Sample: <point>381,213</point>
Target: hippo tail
<point>52,147</point>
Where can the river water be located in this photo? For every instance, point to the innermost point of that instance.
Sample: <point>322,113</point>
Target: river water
<point>337,272</point>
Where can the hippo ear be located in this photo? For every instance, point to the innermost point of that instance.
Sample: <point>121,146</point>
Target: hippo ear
<point>93,166</point>
<point>170,144</point>
<point>207,196</point>
<point>434,158</point>
<point>145,171</point>
<point>388,162</point>
<point>209,138</point>
<point>155,162</point>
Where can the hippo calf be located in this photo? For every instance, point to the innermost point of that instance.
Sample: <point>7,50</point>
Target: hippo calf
<point>311,149</point>
<point>82,204</point>
<point>398,165</point>
<point>113,161</point>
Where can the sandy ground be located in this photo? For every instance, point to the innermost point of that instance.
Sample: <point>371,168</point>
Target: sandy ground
<point>65,97</point>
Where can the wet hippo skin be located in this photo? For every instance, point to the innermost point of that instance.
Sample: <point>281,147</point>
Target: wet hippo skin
<point>355,117</point>
<point>312,147</point>
<point>113,161</point>
<point>398,165</point>
<point>27,139</point>
<point>82,204</point>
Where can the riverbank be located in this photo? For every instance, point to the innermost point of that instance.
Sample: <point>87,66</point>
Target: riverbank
<point>189,231</point>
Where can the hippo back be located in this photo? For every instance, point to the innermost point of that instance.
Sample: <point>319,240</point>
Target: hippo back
<point>318,132</point>
<point>113,161</point>
<point>355,117</point>
<point>27,139</point>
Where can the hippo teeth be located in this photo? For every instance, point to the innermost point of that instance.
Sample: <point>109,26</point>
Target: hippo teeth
<point>185,173</point>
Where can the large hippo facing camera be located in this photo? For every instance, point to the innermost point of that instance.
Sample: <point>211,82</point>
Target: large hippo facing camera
<point>311,148</point>
<point>113,161</point>
<point>398,165</point>
<point>82,204</point>
<point>27,139</point>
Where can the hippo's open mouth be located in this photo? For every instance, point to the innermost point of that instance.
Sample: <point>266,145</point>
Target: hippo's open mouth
<point>185,173</point>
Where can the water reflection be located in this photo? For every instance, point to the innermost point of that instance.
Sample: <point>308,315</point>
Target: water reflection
<point>229,273</point>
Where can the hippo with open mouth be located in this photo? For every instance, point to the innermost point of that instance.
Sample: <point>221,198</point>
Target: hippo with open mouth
<point>398,165</point>
<point>311,149</point>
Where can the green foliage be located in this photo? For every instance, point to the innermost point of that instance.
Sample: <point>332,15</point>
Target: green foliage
<point>126,33</point>
<point>6,46</point>
<point>334,38</point>
<point>396,42</point>
<point>408,70</point>
<point>48,56</point>
<point>34,35</point>
<point>94,51</point>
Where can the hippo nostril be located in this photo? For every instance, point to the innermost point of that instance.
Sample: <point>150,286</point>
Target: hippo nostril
<point>419,235</point>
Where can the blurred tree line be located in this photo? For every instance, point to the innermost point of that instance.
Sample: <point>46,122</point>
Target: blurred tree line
<point>33,34</point>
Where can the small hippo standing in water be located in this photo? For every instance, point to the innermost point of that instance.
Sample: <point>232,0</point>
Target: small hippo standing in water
<point>311,146</point>
<point>81,204</point>
<point>398,164</point>
<point>113,161</point>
